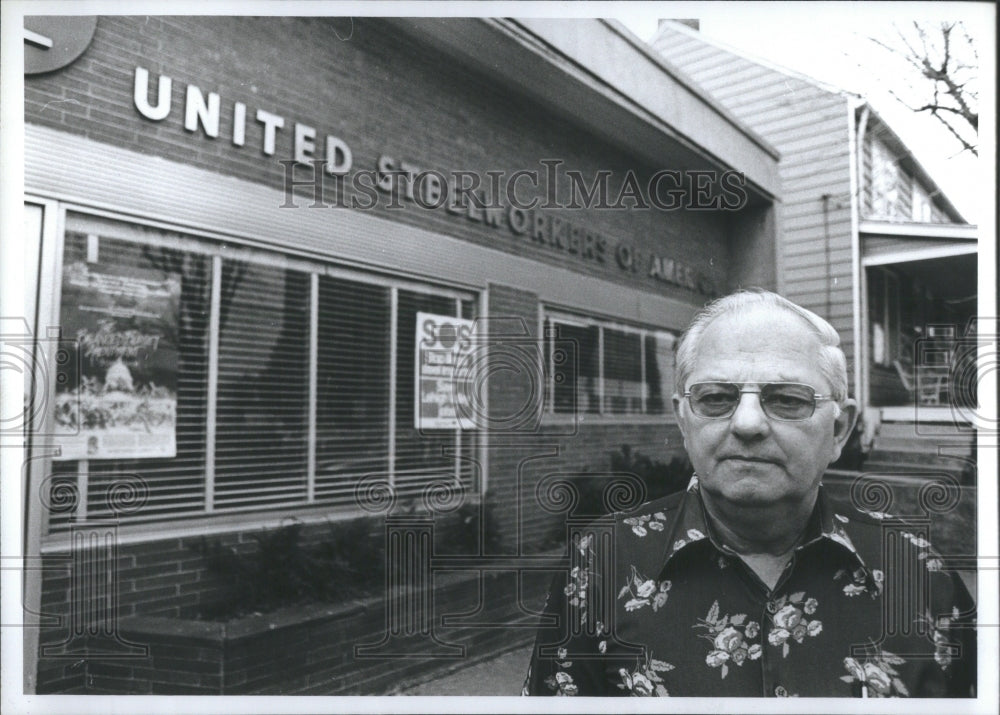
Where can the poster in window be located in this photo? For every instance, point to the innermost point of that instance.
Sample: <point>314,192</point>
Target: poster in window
<point>445,372</point>
<point>122,403</point>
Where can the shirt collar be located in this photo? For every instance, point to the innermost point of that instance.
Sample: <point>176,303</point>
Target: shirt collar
<point>692,527</point>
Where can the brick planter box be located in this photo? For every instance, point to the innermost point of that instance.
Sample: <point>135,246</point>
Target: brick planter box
<point>347,649</point>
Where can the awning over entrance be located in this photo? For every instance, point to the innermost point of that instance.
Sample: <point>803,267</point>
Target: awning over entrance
<point>887,242</point>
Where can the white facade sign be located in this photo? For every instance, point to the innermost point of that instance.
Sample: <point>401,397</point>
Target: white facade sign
<point>445,374</point>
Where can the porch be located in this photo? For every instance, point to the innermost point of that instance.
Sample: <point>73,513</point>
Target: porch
<point>919,360</point>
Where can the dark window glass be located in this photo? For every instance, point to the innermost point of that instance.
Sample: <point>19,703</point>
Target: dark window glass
<point>262,413</point>
<point>623,384</point>
<point>352,409</point>
<point>576,385</point>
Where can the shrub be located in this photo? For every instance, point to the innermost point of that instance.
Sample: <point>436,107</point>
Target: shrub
<point>658,479</point>
<point>347,562</point>
<point>459,531</point>
<point>283,571</point>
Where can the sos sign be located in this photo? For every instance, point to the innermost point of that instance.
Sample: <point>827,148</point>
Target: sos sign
<point>441,389</point>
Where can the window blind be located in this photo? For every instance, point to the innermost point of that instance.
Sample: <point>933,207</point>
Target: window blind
<point>659,347</point>
<point>352,405</point>
<point>623,381</point>
<point>595,366</point>
<point>263,361</point>
<point>262,403</point>
<point>425,456</point>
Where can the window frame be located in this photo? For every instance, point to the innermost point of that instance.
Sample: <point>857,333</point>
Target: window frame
<point>885,171</point>
<point>553,314</point>
<point>215,249</point>
<point>921,204</point>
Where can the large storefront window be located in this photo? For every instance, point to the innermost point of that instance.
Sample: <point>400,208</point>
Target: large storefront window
<point>601,367</point>
<point>212,379</point>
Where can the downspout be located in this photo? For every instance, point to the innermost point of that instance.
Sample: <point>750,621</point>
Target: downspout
<point>856,134</point>
<point>859,166</point>
<point>826,252</point>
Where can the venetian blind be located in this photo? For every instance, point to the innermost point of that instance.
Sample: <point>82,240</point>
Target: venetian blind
<point>623,364</point>
<point>256,452</point>
<point>352,405</point>
<point>595,366</point>
<point>263,385</point>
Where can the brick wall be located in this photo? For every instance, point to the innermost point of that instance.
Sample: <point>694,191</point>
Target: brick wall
<point>306,650</point>
<point>520,458</point>
<point>381,92</point>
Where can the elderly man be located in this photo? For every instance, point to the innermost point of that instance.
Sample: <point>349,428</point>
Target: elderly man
<point>751,582</point>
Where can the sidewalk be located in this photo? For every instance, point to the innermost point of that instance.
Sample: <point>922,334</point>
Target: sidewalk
<point>502,675</point>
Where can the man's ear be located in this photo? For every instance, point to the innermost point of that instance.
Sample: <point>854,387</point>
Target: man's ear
<point>680,416</point>
<point>843,426</point>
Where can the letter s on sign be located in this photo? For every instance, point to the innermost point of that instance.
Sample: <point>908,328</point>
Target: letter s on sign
<point>464,340</point>
<point>430,332</point>
<point>734,192</point>
<point>386,171</point>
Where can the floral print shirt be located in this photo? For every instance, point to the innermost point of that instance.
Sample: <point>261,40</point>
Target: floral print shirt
<point>652,605</point>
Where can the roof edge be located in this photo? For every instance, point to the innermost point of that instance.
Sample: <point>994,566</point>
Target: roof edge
<point>750,57</point>
<point>680,77</point>
<point>859,101</point>
<point>617,78</point>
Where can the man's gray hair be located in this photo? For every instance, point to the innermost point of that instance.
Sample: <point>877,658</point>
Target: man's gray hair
<point>832,362</point>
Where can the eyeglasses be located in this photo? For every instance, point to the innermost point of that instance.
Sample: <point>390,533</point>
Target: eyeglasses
<point>785,401</point>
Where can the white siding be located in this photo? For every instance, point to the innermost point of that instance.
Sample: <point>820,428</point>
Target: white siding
<point>808,124</point>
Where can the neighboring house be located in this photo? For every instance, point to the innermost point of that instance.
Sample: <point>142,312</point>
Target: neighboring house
<point>867,240</point>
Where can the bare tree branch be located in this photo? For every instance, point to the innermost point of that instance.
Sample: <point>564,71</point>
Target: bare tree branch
<point>947,62</point>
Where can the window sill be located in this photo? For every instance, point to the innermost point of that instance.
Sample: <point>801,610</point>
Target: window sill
<point>214,525</point>
<point>596,419</point>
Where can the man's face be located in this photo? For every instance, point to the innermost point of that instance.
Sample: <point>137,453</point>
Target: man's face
<point>748,458</point>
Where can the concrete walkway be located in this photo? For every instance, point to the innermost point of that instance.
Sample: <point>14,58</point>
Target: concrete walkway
<point>502,675</point>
